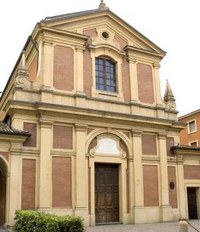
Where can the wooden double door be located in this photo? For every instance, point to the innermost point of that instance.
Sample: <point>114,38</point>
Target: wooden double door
<point>106,193</point>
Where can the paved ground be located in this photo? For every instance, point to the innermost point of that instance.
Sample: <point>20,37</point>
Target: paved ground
<point>154,227</point>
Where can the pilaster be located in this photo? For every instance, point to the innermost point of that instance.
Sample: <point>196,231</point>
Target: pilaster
<point>181,188</point>
<point>81,191</point>
<point>79,70</point>
<point>166,213</point>
<point>14,180</point>
<point>133,79</point>
<point>45,167</point>
<point>138,176</point>
<point>159,100</point>
<point>47,70</point>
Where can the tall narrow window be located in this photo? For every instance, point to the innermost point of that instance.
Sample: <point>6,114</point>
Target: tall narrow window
<point>192,126</point>
<point>105,75</point>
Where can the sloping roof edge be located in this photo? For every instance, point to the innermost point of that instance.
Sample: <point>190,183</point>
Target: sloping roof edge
<point>185,147</point>
<point>5,129</point>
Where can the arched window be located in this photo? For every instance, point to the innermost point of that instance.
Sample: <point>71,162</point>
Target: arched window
<point>105,74</point>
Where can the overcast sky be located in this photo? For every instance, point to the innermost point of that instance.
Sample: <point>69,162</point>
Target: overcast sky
<point>173,25</point>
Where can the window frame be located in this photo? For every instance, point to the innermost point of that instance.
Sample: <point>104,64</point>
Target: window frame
<point>192,142</point>
<point>189,128</point>
<point>105,74</point>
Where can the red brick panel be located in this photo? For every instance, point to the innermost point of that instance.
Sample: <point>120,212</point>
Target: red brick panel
<point>120,41</point>
<point>87,72</point>
<point>62,137</point>
<point>149,144</point>
<point>28,183</point>
<point>32,69</point>
<point>126,80</point>
<point>170,143</point>
<point>62,186</point>
<point>191,171</point>
<point>63,72</point>
<point>150,174</point>
<point>32,140</point>
<point>90,32</point>
<point>145,83</point>
<point>172,189</point>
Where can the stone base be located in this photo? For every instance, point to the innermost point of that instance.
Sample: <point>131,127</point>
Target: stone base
<point>83,213</point>
<point>166,213</point>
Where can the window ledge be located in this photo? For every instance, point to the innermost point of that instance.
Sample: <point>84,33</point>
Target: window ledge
<point>104,93</point>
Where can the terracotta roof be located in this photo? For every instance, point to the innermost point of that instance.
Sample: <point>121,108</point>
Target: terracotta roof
<point>185,147</point>
<point>5,129</point>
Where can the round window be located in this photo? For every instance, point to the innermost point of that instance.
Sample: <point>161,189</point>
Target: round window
<point>105,35</point>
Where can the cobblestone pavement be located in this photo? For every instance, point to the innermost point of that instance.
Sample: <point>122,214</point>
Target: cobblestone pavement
<point>153,227</point>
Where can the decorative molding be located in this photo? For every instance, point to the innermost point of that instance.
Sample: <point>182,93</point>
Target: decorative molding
<point>107,146</point>
<point>81,128</point>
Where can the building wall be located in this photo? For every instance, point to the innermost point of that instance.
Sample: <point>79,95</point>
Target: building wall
<point>74,125</point>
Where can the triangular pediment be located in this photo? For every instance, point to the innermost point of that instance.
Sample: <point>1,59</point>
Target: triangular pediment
<point>94,23</point>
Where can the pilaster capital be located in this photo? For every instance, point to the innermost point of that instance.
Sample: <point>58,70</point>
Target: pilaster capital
<point>47,42</point>
<point>80,48</point>
<point>136,133</point>
<point>156,65</point>
<point>162,136</point>
<point>45,123</point>
<point>81,128</point>
<point>132,60</point>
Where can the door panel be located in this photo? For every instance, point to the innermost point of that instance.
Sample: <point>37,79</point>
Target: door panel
<point>106,193</point>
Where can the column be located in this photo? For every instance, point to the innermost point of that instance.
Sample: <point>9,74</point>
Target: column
<point>81,182</point>
<point>138,177</point>
<point>166,214</point>
<point>45,167</point>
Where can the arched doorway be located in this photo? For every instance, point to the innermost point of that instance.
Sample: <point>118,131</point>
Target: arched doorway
<point>108,179</point>
<point>3,174</point>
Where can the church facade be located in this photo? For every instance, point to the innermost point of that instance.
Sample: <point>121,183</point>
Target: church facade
<point>85,130</point>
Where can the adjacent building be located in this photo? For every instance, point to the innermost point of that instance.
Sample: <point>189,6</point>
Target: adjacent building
<point>191,134</point>
<point>85,130</point>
